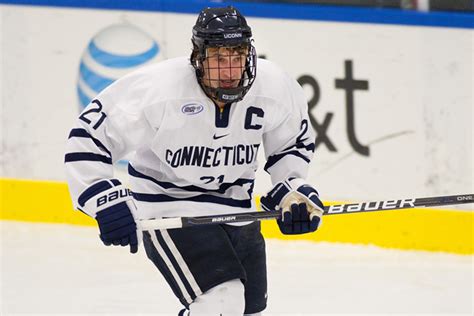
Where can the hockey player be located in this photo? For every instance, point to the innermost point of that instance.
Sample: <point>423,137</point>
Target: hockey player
<point>196,125</point>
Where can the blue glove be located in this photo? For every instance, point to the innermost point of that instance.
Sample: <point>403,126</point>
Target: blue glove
<point>299,203</point>
<point>111,204</point>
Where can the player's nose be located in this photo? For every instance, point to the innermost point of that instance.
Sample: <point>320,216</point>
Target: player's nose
<point>225,73</point>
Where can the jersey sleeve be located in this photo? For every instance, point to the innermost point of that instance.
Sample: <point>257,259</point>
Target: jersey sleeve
<point>111,126</point>
<point>289,143</point>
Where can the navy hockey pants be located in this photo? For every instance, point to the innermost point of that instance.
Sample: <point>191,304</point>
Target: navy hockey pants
<point>195,259</point>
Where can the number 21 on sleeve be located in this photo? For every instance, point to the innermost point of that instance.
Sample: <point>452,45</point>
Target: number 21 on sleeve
<point>98,109</point>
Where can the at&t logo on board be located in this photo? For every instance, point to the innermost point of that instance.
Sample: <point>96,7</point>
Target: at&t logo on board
<point>110,54</point>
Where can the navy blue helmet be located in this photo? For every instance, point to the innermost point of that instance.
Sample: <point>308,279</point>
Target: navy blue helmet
<point>223,27</point>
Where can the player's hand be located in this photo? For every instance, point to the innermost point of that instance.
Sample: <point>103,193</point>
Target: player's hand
<point>299,203</point>
<point>111,204</point>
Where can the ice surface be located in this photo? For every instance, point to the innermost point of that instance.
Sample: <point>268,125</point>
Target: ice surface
<point>62,269</point>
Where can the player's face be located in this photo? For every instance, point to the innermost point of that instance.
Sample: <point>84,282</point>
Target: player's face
<point>224,66</point>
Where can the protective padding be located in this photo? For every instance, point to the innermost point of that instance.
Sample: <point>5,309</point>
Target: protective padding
<point>226,299</point>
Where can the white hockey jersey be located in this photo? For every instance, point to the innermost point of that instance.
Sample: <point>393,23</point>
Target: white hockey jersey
<point>191,158</point>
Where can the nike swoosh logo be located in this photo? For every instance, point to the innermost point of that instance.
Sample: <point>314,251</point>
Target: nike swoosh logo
<point>220,136</point>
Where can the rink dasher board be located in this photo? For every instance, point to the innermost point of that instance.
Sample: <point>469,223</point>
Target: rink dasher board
<point>447,230</point>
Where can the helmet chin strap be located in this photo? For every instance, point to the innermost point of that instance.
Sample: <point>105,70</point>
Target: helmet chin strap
<point>228,95</point>
<point>222,95</point>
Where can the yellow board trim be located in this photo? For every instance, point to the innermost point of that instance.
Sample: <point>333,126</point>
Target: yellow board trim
<point>417,229</point>
<point>39,201</point>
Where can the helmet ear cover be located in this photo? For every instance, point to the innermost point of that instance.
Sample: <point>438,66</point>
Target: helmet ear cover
<point>197,58</point>
<point>223,27</point>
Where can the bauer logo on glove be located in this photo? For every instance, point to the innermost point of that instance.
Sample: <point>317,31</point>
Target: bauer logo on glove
<point>111,204</point>
<point>299,203</point>
<point>113,196</point>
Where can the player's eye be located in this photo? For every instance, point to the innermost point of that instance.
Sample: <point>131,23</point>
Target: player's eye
<point>237,59</point>
<point>223,59</point>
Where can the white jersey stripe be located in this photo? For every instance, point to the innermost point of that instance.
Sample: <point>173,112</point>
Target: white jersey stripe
<point>182,264</point>
<point>170,266</point>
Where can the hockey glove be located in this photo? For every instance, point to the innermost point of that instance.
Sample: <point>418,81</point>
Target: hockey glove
<point>111,204</point>
<point>299,203</point>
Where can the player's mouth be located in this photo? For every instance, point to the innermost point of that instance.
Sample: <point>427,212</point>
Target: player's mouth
<point>229,84</point>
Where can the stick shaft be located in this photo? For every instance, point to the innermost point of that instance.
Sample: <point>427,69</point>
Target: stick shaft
<point>398,204</point>
<point>170,223</point>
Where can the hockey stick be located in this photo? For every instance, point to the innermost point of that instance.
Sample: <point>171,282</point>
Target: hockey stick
<point>180,222</point>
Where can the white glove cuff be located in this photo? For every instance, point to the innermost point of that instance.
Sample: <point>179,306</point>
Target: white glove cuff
<point>296,197</point>
<point>107,199</point>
